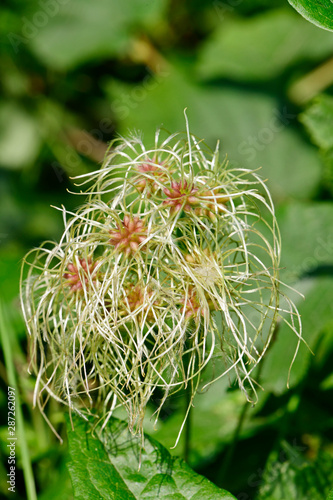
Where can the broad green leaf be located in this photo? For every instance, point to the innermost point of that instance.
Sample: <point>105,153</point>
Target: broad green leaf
<point>330,495</point>
<point>324,351</point>
<point>289,475</point>
<point>255,131</point>
<point>316,313</point>
<point>307,249</point>
<point>83,30</point>
<point>317,12</point>
<point>106,466</point>
<point>262,47</point>
<point>318,120</point>
<point>19,137</point>
<point>307,238</point>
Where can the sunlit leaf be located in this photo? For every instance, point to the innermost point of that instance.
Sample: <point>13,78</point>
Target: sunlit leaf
<point>319,13</point>
<point>255,131</point>
<point>307,263</point>
<point>107,467</point>
<point>83,31</point>
<point>261,47</point>
<point>318,119</point>
<point>307,236</point>
<point>316,312</point>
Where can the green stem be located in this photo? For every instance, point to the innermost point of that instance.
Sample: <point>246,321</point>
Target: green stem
<point>6,332</point>
<point>187,444</point>
<point>242,415</point>
<point>312,84</point>
<point>234,442</point>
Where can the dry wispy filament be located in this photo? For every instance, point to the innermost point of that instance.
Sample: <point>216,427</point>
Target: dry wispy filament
<point>171,263</point>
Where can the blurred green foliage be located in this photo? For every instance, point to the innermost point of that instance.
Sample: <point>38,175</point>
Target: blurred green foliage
<point>254,75</point>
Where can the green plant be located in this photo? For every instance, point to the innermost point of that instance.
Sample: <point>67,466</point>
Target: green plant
<point>170,264</point>
<point>258,77</point>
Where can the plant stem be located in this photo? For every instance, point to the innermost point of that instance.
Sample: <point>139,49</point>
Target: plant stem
<point>231,450</point>
<point>187,444</point>
<point>312,84</point>
<point>242,415</point>
<point>6,332</point>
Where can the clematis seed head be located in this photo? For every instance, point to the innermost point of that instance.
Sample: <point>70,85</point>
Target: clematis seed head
<point>170,264</point>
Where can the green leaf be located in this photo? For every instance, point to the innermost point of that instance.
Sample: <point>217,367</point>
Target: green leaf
<point>106,466</point>
<point>83,30</point>
<point>307,254</point>
<point>307,238</point>
<point>316,313</point>
<point>318,12</point>
<point>318,119</point>
<point>289,475</point>
<point>255,131</point>
<point>278,39</point>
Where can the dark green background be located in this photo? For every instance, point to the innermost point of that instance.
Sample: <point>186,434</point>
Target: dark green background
<point>254,75</point>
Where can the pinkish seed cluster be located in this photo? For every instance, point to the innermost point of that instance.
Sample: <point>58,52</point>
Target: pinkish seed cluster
<point>130,234</point>
<point>77,273</point>
<point>138,296</point>
<point>181,195</point>
<point>149,182</point>
<point>193,307</point>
